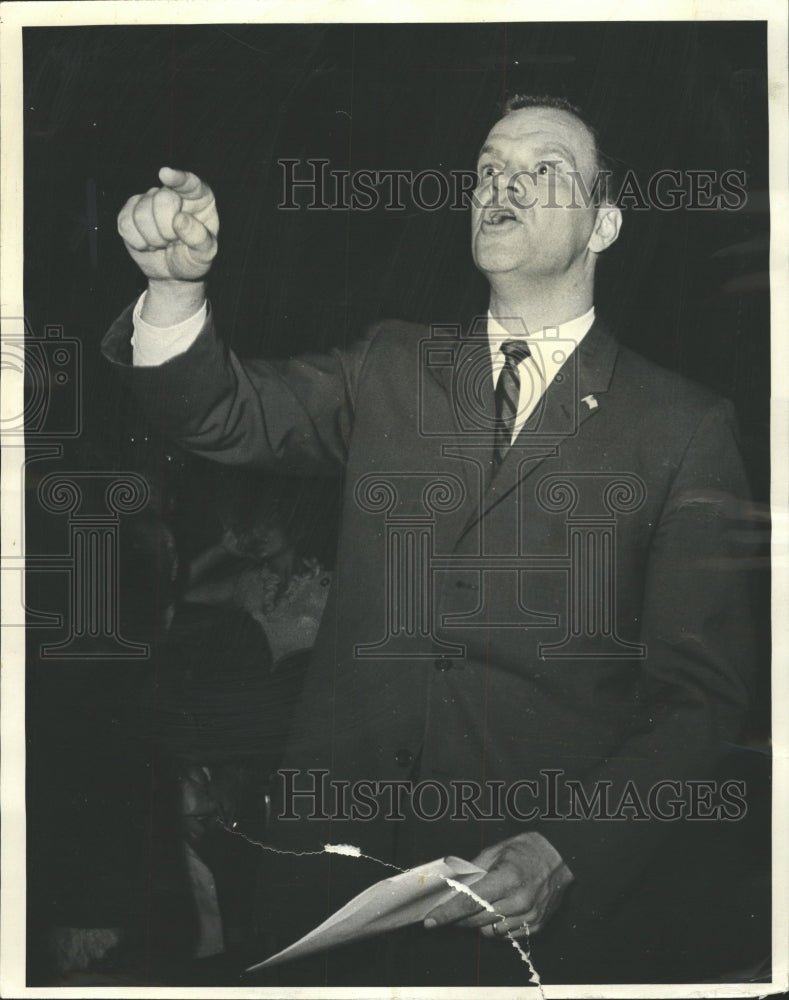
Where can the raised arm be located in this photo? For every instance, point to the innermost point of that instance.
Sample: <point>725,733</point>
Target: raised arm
<point>294,415</point>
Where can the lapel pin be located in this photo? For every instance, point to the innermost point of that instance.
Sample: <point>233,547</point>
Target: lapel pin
<point>590,401</point>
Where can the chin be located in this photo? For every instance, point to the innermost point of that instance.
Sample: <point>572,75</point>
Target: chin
<point>498,259</point>
<point>491,265</point>
<point>494,260</point>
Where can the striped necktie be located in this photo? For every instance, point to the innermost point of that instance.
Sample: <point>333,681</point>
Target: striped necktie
<point>506,397</point>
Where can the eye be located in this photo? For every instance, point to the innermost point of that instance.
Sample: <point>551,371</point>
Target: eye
<point>546,167</point>
<point>488,170</point>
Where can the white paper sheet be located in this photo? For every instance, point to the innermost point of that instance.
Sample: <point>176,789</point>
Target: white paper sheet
<point>394,902</point>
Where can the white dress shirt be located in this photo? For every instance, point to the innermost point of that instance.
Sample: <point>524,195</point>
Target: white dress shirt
<point>153,345</point>
<point>550,348</point>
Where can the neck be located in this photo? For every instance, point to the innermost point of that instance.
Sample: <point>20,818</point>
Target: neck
<point>538,304</point>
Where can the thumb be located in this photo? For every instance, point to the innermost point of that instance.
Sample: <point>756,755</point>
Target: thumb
<point>189,186</point>
<point>487,858</point>
<point>186,183</point>
<point>190,258</point>
<point>194,234</point>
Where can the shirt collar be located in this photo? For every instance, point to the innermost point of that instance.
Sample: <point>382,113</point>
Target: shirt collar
<point>574,329</point>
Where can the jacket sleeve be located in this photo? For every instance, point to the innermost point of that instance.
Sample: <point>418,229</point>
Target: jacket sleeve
<point>695,677</point>
<point>294,416</point>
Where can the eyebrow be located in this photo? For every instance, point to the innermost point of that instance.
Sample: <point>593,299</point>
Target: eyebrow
<point>553,147</point>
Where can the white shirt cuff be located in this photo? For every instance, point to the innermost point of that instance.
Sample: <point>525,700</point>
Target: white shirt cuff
<point>153,345</point>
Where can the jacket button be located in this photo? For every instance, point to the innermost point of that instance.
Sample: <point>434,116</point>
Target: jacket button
<point>442,663</point>
<point>403,758</point>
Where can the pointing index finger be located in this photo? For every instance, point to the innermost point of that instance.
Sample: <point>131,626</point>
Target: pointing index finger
<point>183,182</point>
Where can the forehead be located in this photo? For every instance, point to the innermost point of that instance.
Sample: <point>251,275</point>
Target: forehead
<point>544,127</point>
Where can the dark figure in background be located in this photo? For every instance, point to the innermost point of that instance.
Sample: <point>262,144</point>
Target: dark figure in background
<point>259,565</point>
<point>227,678</point>
<point>472,697</point>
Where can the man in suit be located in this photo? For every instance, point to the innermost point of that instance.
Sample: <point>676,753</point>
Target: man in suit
<point>536,596</point>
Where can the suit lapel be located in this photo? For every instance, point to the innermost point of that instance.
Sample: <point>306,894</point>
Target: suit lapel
<point>573,397</point>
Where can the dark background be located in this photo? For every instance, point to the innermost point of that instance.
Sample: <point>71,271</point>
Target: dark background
<point>105,107</point>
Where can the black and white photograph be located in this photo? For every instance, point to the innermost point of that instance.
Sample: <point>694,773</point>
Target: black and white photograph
<point>394,500</point>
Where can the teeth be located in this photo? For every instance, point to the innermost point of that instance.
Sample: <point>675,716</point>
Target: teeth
<point>496,218</point>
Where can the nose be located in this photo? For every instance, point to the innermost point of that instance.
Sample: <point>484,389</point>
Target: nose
<point>500,186</point>
<point>508,187</point>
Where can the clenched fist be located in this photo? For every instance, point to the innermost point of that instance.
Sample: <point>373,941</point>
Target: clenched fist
<point>170,231</point>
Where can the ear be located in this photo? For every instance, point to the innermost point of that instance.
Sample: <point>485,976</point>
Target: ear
<point>606,228</point>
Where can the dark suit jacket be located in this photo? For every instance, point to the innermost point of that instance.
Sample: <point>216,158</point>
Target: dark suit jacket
<point>583,609</point>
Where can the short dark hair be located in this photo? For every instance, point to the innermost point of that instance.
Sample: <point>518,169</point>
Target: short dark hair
<point>516,102</point>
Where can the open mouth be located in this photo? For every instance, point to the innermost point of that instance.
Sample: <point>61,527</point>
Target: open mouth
<point>496,218</point>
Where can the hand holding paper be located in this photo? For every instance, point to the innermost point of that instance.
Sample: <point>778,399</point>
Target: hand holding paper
<point>525,881</point>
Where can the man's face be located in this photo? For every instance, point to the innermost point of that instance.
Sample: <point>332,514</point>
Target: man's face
<point>525,171</point>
